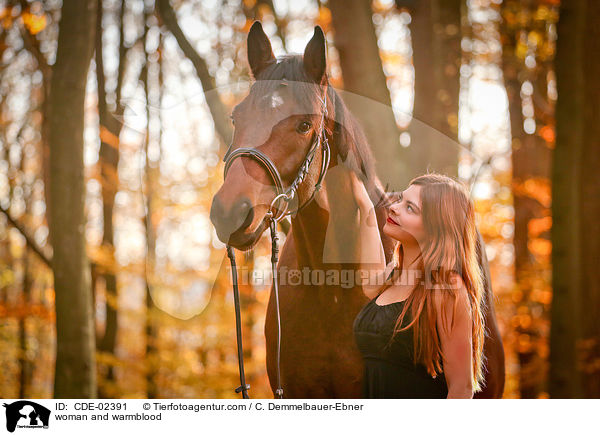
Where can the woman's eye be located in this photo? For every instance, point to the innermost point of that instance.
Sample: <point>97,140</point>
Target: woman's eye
<point>232,121</point>
<point>409,207</point>
<point>303,127</point>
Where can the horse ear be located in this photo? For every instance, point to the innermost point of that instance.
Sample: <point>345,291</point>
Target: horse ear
<point>314,56</point>
<point>260,53</point>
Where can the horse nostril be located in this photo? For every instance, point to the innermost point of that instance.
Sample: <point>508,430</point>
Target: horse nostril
<point>239,217</point>
<point>243,214</point>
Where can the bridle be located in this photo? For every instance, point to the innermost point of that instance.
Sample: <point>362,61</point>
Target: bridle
<point>288,194</point>
<point>274,215</point>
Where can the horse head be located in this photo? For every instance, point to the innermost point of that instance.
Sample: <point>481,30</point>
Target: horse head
<point>281,117</point>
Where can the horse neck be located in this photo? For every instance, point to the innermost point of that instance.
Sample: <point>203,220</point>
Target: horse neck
<point>308,229</point>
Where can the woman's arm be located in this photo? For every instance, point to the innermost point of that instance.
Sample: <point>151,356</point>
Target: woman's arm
<point>455,330</point>
<point>341,245</point>
<point>372,256</point>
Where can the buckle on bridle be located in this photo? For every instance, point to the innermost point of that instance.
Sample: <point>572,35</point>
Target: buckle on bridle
<point>287,197</point>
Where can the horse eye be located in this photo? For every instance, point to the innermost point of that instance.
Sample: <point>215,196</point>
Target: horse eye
<point>303,127</point>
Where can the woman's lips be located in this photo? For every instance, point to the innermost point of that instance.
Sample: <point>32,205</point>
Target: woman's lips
<point>391,221</point>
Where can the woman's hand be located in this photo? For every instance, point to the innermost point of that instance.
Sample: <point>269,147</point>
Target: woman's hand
<point>360,194</point>
<point>365,205</point>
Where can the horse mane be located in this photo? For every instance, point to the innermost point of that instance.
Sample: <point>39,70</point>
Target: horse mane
<point>347,137</point>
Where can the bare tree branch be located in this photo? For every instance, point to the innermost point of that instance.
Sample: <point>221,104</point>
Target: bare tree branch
<point>216,106</point>
<point>31,43</point>
<point>44,256</point>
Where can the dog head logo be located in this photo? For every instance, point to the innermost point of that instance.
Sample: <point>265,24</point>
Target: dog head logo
<point>26,414</point>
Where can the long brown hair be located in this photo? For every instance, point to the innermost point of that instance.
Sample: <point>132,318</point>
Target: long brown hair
<point>449,221</point>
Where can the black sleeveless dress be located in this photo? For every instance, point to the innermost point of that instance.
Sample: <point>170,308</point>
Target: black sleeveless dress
<point>389,370</point>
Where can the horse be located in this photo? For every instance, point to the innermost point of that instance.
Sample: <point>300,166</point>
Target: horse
<point>319,357</point>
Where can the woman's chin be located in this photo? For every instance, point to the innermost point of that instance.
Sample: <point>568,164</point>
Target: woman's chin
<point>394,231</point>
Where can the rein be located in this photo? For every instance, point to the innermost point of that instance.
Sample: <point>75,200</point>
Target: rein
<point>274,215</point>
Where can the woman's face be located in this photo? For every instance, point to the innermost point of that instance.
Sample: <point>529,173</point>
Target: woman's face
<point>405,221</point>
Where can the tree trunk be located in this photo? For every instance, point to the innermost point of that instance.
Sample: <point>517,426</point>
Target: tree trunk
<point>108,160</point>
<point>111,125</point>
<point>32,44</point>
<point>531,160</point>
<point>26,364</point>
<point>436,33</point>
<point>589,341</point>
<point>75,371</point>
<point>149,176</point>
<point>255,11</point>
<point>366,93</point>
<point>575,330</point>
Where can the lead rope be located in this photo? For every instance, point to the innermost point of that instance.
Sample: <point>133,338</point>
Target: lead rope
<point>244,387</point>
<point>274,259</point>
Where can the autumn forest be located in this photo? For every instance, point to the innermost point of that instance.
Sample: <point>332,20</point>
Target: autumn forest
<point>114,121</point>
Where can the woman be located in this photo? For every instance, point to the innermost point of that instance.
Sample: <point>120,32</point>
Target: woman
<point>422,333</point>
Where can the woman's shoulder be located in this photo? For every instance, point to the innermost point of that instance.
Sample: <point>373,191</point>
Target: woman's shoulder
<point>454,283</point>
<point>459,305</point>
<point>452,311</point>
<point>455,286</point>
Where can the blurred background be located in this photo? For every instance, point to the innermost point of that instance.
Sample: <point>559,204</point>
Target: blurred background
<point>499,94</point>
